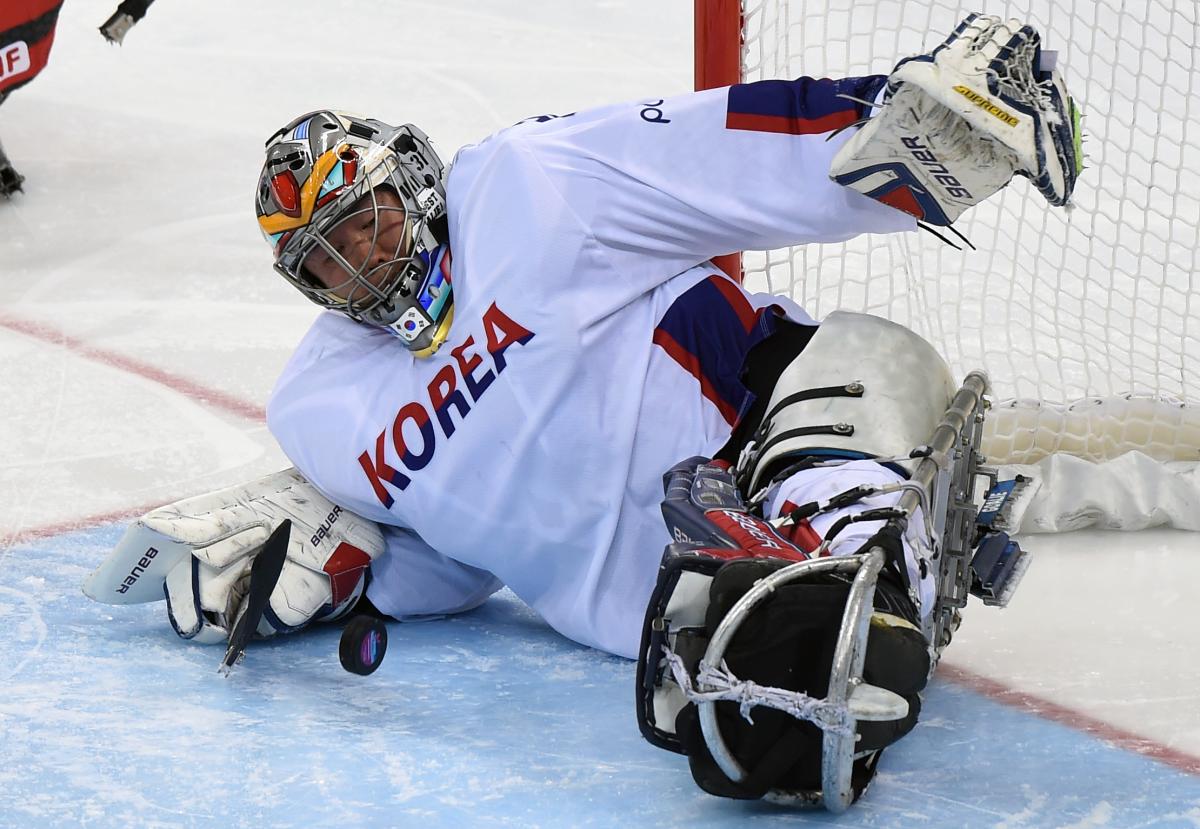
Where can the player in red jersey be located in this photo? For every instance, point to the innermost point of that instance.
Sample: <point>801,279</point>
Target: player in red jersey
<point>26,35</point>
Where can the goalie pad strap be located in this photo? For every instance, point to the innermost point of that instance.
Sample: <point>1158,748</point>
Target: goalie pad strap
<point>186,617</point>
<point>848,390</point>
<point>876,409</point>
<point>839,429</point>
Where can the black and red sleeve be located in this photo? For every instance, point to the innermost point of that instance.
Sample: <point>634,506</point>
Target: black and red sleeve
<point>26,35</point>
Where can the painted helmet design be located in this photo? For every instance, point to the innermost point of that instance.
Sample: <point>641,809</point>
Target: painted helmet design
<point>328,167</point>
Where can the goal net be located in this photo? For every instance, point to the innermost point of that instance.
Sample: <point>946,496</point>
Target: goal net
<point>1087,321</point>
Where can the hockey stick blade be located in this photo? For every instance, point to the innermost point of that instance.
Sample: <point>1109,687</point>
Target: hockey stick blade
<point>264,575</point>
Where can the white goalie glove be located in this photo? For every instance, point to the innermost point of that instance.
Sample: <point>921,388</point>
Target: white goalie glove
<point>958,123</point>
<point>197,554</point>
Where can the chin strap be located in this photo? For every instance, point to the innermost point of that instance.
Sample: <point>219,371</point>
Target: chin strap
<point>440,258</point>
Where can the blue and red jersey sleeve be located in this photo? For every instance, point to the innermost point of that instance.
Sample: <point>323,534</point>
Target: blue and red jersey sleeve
<point>804,106</point>
<point>663,185</point>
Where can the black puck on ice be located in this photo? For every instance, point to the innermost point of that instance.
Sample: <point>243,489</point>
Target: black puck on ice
<point>364,642</point>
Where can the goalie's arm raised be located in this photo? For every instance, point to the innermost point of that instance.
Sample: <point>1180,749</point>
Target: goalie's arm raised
<point>658,186</point>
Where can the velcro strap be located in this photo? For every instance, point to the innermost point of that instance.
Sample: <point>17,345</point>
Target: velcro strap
<point>840,429</point>
<point>847,390</point>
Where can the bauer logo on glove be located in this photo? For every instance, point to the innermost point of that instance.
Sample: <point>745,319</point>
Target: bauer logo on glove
<point>144,563</point>
<point>198,553</point>
<point>957,124</point>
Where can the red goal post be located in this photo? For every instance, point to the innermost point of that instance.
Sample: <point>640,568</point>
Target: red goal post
<point>718,53</point>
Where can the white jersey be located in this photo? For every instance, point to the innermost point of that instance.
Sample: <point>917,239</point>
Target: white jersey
<point>593,347</point>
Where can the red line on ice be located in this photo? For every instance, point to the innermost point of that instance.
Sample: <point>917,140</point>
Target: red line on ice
<point>989,688</point>
<point>1032,704</point>
<point>83,522</point>
<point>190,388</point>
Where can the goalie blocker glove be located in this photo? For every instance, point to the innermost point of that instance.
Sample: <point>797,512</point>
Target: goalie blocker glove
<point>198,553</point>
<point>957,124</point>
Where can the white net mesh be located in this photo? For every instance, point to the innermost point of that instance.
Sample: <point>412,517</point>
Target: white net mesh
<point>1102,302</point>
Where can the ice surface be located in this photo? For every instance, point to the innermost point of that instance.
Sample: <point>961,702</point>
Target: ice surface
<point>140,330</point>
<point>487,719</point>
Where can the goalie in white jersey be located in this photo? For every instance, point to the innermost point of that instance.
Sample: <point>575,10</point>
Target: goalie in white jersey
<point>519,347</point>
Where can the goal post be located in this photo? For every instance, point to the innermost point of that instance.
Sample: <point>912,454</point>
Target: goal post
<point>718,51</point>
<point>1086,320</point>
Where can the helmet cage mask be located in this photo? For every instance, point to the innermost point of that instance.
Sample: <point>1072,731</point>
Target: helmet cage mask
<point>412,300</point>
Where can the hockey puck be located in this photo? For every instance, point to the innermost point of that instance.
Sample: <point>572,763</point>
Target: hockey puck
<point>364,642</point>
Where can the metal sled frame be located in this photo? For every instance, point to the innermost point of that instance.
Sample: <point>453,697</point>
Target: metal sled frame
<point>946,470</point>
<point>950,470</point>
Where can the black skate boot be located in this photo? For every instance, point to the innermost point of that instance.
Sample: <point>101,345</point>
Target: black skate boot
<point>10,179</point>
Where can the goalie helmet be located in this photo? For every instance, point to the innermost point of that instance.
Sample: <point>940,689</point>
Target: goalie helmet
<point>325,168</point>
